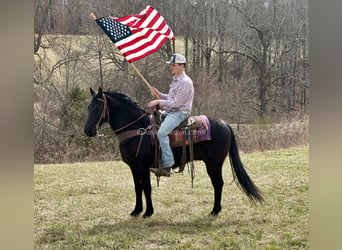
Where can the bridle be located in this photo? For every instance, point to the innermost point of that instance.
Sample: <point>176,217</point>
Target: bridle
<point>105,112</point>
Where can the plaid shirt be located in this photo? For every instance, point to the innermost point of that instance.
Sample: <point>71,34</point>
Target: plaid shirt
<point>180,95</point>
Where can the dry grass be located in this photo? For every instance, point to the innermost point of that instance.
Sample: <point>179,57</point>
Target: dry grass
<point>86,206</point>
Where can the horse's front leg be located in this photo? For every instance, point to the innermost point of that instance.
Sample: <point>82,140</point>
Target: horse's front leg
<point>146,184</point>
<point>138,194</point>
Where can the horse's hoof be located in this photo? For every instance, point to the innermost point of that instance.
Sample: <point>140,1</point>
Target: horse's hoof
<point>147,215</point>
<point>215,212</point>
<point>134,214</point>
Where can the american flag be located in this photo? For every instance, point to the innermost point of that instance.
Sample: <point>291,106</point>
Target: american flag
<point>137,36</point>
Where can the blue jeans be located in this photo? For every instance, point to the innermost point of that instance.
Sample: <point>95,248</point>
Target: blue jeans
<point>171,121</point>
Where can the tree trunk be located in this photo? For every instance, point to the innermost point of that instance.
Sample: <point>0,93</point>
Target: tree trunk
<point>220,60</point>
<point>186,46</point>
<point>263,85</point>
<point>262,94</point>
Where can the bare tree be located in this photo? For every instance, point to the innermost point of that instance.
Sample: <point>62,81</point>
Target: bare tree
<point>248,60</point>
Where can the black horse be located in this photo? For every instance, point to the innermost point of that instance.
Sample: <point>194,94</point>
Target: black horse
<point>124,115</point>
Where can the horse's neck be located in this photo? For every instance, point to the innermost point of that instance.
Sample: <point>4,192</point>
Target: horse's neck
<point>125,115</point>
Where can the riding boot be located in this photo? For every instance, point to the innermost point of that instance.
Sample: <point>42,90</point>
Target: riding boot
<point>161,171</point>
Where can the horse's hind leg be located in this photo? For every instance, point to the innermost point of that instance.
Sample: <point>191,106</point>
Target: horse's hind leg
<point>214,170</point>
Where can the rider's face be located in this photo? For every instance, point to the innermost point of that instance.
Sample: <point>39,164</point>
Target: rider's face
<point>176,69</point>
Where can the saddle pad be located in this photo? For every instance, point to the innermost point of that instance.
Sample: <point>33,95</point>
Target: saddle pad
<point>201,132</point>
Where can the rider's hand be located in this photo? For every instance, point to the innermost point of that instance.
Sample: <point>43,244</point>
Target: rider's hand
<point>155,92</point>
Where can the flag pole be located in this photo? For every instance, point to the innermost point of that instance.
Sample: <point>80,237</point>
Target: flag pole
<point>142,77</point>
<point>134,67</point>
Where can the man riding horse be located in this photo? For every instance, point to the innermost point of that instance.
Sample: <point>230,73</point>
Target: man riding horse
<point>177,104</point>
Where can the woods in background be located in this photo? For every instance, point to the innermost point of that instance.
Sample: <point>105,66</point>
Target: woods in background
<point>248,59</point>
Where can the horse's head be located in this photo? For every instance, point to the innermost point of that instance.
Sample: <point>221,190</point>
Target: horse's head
<point>97,112</point>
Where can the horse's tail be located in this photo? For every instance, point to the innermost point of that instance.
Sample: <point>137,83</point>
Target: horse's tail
<point>244,181</point>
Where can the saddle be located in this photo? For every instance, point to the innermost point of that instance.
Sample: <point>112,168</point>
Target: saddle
<point>192,130</point>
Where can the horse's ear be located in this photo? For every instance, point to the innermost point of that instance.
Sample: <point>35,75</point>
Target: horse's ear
<point>100,91</point>
<point>92,92</point>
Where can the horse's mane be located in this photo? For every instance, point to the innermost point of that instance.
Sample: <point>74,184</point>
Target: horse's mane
<point>125,98</point>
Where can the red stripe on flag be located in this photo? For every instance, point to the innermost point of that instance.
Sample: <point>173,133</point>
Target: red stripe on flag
<point>136,58</point>
<point>126,18</point>
<point>143,46</point>
<point>140,37</point>
<point>144,16</point>
<point>153,21</point>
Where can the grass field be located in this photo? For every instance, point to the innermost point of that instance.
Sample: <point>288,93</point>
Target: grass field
<point>87,205</point>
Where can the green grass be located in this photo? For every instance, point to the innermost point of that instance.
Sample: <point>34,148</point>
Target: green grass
<point>87,205</point>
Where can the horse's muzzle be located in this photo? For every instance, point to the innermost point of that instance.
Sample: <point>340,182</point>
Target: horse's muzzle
<point>90,131</point>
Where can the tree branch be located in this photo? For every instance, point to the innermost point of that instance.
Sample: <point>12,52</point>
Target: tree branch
<point>251,57</point>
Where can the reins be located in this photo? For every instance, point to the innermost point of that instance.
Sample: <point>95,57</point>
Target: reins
<point>131,123</point>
